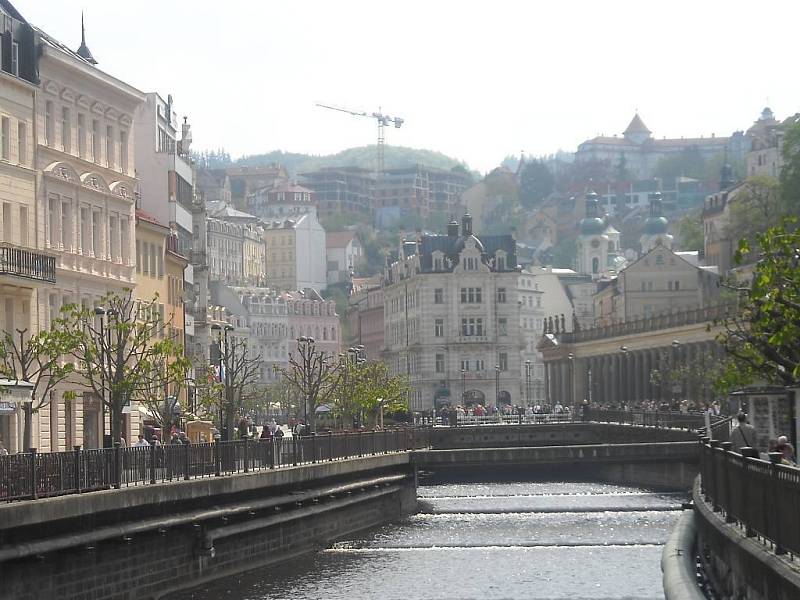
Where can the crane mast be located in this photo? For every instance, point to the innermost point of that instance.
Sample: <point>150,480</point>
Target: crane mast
<point>382,120</point>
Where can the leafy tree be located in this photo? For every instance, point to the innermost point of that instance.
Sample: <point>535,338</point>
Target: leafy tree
<point>36,359</point>
<point>167,370</point>
<point>564,254</point>
<point>536,183</point>
<point>691,232</point>
<point>116,360</point>
<point>756,207</point>
<point>790,173</point>
<point>367,391</point>
<point>763,339</point>
<point>687,163</point>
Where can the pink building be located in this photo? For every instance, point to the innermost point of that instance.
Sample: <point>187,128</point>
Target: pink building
<point>312,316</point>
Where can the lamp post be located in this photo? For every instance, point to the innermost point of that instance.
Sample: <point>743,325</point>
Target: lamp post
<point>623,379</point>
<point>497,388</point>
<point>528,366</point>
<point>676,351</point>
<point>463,387</point>
<point>307,345</point>
<point>105,345</point>
<point>571,358</point>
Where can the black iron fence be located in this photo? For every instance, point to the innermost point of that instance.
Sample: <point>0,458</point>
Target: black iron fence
<point>28,264</point>
<point>32,475</point>
<point>761,496</point>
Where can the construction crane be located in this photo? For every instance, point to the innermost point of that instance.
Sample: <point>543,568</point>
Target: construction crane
<point>383,121</point>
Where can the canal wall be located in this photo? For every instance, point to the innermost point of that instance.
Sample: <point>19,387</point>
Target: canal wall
<point>144,543</point>
<point>737,565</point>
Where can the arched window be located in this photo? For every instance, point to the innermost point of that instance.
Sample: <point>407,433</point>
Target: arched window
<point>595,265</point>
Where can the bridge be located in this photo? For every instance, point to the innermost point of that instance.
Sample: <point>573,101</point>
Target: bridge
<point>128,521</point>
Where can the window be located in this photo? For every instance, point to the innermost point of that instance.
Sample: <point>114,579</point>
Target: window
<point>15,59</point>
<point>501,263</point>
<point>95,140</point>
<point>160,258</point>
<point>669,285</point>
<point>438,328</point>
<point>23,225</point>
<point>81,135</point>
<point>503,362</point>
<point>501,295</point>
<point>48,123</point>
<point>22,142</point>
<point>438,296</point>
<point>659,259</point>
<point>109,146</point>
<point>643,286</point>
<point>465,365</point>
<point>502,326</point>
<point>471,295</point>
<point>123,150</point>
<point>440,363</point>
<point>479,365</point>
<point>677,285</point>
<point>538,302</point>
<point>471,326</point>
<point>66,133</point>
<point>437,264</point>
<point>138,256</point>
<point>5,143</point>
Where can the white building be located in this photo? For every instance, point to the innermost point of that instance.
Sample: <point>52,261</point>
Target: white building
<point>599,251</point>
<point>295,253</point>
<point>344,255</point>
<point>451,319</point>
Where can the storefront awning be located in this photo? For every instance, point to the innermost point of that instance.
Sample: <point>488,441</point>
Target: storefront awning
<point>13,393</point>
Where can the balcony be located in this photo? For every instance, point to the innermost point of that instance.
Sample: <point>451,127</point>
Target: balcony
<point>27,264</point>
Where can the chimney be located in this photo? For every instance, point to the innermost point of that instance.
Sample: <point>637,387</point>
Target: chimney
<point>452,229</point>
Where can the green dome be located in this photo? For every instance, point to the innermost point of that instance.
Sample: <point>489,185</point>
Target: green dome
<point>592,226</point>
<point>655,225</point>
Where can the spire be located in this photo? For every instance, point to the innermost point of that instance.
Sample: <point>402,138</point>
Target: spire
<point>637,132</point>
<point>84,51</point>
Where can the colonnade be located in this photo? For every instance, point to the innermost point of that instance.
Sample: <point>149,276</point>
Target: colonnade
<point>630,376</point>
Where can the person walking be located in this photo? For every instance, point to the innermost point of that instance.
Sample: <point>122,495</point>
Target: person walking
<point>744,434</point>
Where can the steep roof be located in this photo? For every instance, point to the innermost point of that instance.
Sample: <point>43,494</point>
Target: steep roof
<point>636,126</point>
<point>339,239</point>
<point>148,218</point>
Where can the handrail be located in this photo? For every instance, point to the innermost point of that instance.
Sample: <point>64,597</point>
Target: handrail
<point>761,496</point>
<point>32,475</point>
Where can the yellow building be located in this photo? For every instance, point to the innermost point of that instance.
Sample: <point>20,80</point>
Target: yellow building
<point>159,271</point>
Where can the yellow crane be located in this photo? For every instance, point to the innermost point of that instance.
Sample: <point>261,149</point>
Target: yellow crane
<point>382,119</point>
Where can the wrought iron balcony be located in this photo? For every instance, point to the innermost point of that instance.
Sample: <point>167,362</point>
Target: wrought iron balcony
<point>28,264</point>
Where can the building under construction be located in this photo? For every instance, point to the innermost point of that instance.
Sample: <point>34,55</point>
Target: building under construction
<point>394,196</point>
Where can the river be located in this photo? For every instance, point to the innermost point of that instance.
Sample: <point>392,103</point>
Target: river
<point>505,540</point>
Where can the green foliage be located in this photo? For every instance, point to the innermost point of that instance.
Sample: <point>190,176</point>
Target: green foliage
<point>35,359</point>
<point>115,357</point>
<point>691,232</point>
<point>756,206</point>
<point>344,220</point>
<point>687,163</point>
<point>764,339</point>
<point>362,156</point>
<point>564,254</point>
<point>367,388</point>
<point>790,173</point>
<point>536,183</point>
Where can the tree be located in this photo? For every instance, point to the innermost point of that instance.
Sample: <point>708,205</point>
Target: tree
<point>790,172</point>
<point>235,391</point>
<point>755,207</point>
<point>314,375</point>
<point>536,183</point>
<point>691,232</point>
<point>37,360</point>
<point>116,354</point>
<point>763,339</point>
<point>167,370</point>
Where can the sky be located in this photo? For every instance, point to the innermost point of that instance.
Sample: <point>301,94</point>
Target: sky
<point>474,80</point>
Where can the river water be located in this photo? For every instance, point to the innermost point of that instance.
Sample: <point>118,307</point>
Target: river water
<point>506,540</point>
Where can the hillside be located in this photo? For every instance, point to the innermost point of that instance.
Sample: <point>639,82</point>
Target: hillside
<point>363,156</point>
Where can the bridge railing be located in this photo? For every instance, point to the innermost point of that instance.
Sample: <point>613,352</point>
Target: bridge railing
<point>33,474</point>
<point>671,419</point>
<point>761,496</point>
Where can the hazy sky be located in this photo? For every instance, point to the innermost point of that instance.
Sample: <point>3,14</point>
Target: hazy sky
<point>475,80</point>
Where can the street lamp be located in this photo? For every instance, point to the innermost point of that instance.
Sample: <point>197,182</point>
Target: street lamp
<point>571,358</point>
<point>497,388</point>
<point>624,375</point>
<point>307,345</point>
<point>105,345</point>
<point>463,387</point>
<point>676,355</point>
<point>528,366</point>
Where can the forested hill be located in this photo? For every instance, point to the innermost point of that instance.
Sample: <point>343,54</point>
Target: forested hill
<point>363,156</point>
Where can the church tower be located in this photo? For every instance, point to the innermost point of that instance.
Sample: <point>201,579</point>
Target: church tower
<point>637,132</point>
<point>656,227</point>
<point>592,240</point>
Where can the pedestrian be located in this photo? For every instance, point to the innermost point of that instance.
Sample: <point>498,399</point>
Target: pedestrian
<point>141,442</point>
<point>744,434</point>
<point>3,450</point>
<point>786,449</point>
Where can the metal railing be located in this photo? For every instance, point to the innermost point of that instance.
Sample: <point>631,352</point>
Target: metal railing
<point>32,475</point>
<point>27,264</point>
<point>760,496</point>
<point>667,419</point>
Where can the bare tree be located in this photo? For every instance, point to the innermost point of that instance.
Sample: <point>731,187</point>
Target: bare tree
<point>315,376</point>
<point>160,389</point>
<point>36,360</point>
